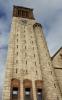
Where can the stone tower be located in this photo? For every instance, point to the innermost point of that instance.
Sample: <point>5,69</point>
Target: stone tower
<point>29,71</point>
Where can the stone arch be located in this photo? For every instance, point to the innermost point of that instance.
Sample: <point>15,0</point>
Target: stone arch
<point>15,89</point>
<point>38,83</point>
<point>28,91</point>
<point>27,83</point>
<point>37,25</point>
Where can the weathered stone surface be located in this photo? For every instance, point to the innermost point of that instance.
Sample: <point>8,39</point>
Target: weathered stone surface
<point>28,59</point>
<point>57,62</point>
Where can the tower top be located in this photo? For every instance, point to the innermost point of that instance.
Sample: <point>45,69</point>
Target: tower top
<point>23,12</point>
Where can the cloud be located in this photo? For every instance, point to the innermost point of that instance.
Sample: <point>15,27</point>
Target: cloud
<point>54,37</point>
<point>5,14</point>
<point>5,21</point>
<point>47,12</point>
<point>3,56</point>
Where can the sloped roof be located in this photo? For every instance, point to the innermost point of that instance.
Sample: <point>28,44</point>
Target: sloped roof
<point>56,52</point>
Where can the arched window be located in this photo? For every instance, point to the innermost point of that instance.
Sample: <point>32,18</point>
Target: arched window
<point>27,90</point>
<point>38,84</point>
<point>15,89</point>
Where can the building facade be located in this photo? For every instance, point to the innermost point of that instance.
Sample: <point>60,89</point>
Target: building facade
<point>29,72</point>
<point>57,62</point>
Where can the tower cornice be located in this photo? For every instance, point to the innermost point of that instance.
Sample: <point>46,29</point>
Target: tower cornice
<point>23,12</point>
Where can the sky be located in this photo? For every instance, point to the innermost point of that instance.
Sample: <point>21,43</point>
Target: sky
<point>46,12</point>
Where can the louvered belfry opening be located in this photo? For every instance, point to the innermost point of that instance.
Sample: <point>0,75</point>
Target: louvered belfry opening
<point>15,89</point>
<point>23,12</point>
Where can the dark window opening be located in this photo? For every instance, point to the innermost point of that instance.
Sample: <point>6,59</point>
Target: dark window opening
<point>15,93</point>
<point>32,42</point>
<point>31,36</point>
<point>19,12</point>
<point>49,64</point>
<point>17,46</point>
<point>51,72</point>
<point>24,30</point>
<point>36,72</point>
<point>37,47</point>
<point>17,53</point>
<point>25,41</point>
<point>26,71</point>
<point>17,40</point>
<point>35,63</point>
<point>54,85</point>
<point>34,55</point>
<point>25,47</point>
<point>16,70</point>
<point>39,94</point>
<point>27,14</point>
<point>17,34</point>
<point>27,94</point>
<point>23,14</point>
<point>16,61</point>
<point>26,62</point>
<point>61,56</point>
<point>24,36</point>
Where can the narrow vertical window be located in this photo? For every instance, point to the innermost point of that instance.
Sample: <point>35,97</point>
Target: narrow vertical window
<point>17,40</point>
<point>18,12</point>
<point>17,34</point>
<point>25,41</point>
<point>35,63</point>
<point>16,61</point>
<point>36,73</point>
<point>34,55</point>
<point>17,46</point>
<point>32,42</point>
<point>24,36</point>
<point>17,53</point>
<point>26,62</point>
<point>25,47</point>
<point>16,70</point>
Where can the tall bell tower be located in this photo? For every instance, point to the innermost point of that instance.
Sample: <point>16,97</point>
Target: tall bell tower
<point>29,72</point>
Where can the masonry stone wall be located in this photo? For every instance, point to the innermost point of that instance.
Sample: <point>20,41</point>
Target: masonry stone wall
<point>57,62</point>
<point>23,60</point>
<point>49,83</point>
<point>28,58</point>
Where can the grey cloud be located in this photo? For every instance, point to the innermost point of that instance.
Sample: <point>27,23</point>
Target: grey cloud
<point>3,56</point>
<point>54,37</point>
<point>47,12</point>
